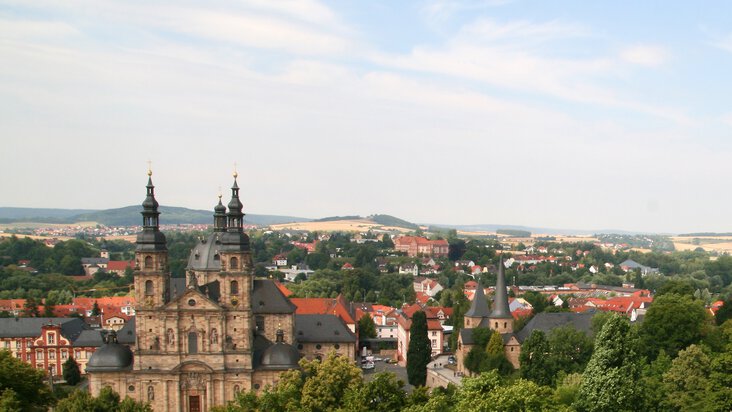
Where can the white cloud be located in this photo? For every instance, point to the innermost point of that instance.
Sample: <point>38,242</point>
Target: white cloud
<point>645,55</point>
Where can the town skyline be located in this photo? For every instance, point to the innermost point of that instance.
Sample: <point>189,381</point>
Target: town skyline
<point>577,116</point>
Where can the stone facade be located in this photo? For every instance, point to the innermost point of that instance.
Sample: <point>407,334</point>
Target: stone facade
<point>202,339</point>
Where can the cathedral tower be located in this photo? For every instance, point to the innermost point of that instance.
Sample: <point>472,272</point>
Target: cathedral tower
<point>151,256</point>
<point>501,318</point>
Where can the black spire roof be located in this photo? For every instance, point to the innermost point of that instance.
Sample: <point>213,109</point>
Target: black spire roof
<point>500,299</point>
<point>479,307</point>
<point>235,239</point>
<point>151,238</point>
<point>219,217</point>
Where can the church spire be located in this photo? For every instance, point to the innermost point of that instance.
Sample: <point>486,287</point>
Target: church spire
<point>220,217</point>
<point>235,215</point>
<point>479,306</point>
<point>500,299</point>
<point>150,238</point>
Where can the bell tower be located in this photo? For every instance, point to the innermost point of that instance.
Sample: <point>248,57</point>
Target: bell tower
<point>151,256</point>
<point>500,318</point>
<point>236,259</point>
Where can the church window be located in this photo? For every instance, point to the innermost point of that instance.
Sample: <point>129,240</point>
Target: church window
<point>337,346</point>
<point>148,262</point>
<point>234,263</point>
<point>496,324</point>
<point>234,286</point>
<point>150,393</point>
<point>505,325</point>
<point>260,323</point>
<point>149,290</point>
<point>214,336</point>
<point>131,388</point>
<point>318,346</point>
<point>192,342</point>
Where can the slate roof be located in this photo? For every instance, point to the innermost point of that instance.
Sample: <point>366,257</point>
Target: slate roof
<point>500,300</point>
<point>322,328</point>
<point>545,322</point>
<point>479,306</point>
<point>127,334</point>
<point>177,287</point>
<point>89,338</point>
<point>203,255</point>
<point>31,327</point>
<point>94,261</point>
<point>267,298</point>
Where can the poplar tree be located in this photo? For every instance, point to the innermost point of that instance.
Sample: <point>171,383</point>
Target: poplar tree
<point>420,350</point>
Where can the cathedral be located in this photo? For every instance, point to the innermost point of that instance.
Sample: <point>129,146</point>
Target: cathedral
<point>199,340</point>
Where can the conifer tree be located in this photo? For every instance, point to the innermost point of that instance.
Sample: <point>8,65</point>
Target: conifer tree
<point>420,350</point>
<point>71,372</point>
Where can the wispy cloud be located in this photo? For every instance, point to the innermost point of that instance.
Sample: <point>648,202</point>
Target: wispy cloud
<point>645,55</point>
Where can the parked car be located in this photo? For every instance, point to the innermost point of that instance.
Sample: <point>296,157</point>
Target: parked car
<point>368,365</point>
<point>451,360</point>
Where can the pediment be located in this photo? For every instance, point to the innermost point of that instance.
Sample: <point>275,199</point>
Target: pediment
<point>193,299</point>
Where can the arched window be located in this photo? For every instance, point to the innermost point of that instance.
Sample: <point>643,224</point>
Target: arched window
<point>234,289</point>
<point>234,262</point>
<point>148,262</point>
<point>496,325</point>
<point>149,290</point>
<point>150,393</point>
<point>505,325</point>
<point>217,257</point>
<point>192,342</point>
<point>214,336</point>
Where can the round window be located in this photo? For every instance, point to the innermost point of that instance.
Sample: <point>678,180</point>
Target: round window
<point>256,386</point>
<point>318,346</point>
<point>299,346</point>
<point>191,302</point>
<point>337,346</point>
<point>131,388</point>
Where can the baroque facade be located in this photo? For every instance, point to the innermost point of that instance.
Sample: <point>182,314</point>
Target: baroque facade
<point>201,339</point>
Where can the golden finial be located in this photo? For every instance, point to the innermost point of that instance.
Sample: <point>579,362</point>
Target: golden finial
<point>149,168</point>
<point>220,193</point>
<point>236,174</point>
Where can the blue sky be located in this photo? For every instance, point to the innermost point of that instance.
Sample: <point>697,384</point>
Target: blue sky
<point>569,114</point>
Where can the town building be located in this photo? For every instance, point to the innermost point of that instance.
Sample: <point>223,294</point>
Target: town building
<point>416,245</point>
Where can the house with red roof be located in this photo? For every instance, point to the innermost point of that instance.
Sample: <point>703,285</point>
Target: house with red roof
<point>417,245</point>
<point>435,331</point>
<point>326,306</point>
<point>118,267</point>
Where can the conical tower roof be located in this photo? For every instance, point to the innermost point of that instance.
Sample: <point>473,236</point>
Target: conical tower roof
<point>479,307</point>
<point>500,299</point>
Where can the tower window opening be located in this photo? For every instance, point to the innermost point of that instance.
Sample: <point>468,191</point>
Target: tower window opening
<point>148,262</point>
<point>234,263</point>
<point>149,289</point>
<point>234,287</point>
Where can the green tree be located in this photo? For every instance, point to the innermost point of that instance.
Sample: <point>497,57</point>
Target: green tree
<point>534,359</point>
<point>672,323</point>
<point>384,393</point>
<point>326,382</point>
<point>30,308</point>
<point>71,372</point>
<point>27,383</point>
<point>614,364</point>
<point>570,349</point>
<point>366,327</point>
<point>538,301</point>
<point>687,381</point>
<point>9,401</point>
<point>725,312</point>
<point>95,309</point>
<point>419,351</point>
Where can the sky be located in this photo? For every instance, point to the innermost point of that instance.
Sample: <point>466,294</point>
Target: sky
<point>565,114</point>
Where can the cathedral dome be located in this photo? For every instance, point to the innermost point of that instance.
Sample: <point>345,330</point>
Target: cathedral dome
<point>110,357</point>
<point>205,255</point>
<point>280,355</point>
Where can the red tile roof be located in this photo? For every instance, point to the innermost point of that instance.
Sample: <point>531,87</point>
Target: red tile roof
<point>120,265</point>
<point>323,306</point>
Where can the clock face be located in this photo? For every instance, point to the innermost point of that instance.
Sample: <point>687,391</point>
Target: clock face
<point>149,301</point>
<point>234,301</point>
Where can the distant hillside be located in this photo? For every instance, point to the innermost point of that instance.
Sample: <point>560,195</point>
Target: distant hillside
<point>495,227</point>
<point>388,220</point>
<point>129,216</point>
<point>337,218</point>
